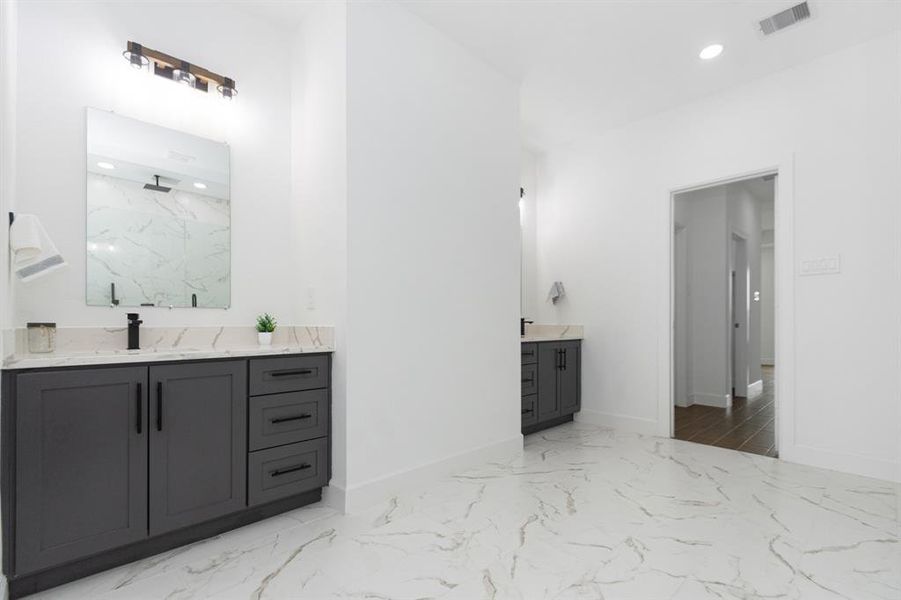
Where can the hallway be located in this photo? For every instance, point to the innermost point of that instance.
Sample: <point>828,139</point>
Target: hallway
<point>749,426</point>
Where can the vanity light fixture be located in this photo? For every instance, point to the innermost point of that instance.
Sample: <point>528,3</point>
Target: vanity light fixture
<point>179,70</point>
<point>183,75</point>
<point>106,165</point>
<point>199,185</point>
<point>134,54</point>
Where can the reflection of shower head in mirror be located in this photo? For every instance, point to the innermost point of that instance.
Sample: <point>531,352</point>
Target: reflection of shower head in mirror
<point>157,187</point>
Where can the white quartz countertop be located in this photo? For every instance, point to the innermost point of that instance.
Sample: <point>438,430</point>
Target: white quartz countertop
<point>98,346</point>
<point>40,361</point>
<point>551,333</point>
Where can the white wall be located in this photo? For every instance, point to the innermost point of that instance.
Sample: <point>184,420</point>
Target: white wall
<point>834,129</point>
<point>8,51</point>
<point>319,191</point>
<point>528,225</point>
<point>433,249</point>
<point>51,141</point>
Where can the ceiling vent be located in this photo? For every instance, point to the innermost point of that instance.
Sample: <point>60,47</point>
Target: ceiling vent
<point>784,19</point>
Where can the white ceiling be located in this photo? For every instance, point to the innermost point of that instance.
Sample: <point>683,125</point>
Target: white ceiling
<point>591,65</point>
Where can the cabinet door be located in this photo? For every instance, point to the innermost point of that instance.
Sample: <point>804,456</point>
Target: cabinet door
<point>569,378</point>
<point>81,464</point>
<point>198,442</point>
<point>548,367</point>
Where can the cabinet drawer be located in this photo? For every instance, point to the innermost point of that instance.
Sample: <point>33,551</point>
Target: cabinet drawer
<point>286,471</point>
<point>529,379</point>
<point>529,410</point>
<point>529,353</point>
<point>288,374</point>
<point>287,418</point>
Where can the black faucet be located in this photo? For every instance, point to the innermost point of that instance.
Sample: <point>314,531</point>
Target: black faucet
<point>134,331</point>
<point>522,326</point>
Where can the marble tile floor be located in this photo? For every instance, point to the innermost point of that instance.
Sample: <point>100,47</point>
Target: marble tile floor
<point>585,513</point>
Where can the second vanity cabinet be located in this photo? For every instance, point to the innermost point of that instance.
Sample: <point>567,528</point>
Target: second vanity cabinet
<point>551,383</point>
<point>104,465</point>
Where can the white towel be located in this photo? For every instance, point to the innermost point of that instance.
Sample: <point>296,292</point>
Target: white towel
<point>34,252</point>
<point>556,293</point>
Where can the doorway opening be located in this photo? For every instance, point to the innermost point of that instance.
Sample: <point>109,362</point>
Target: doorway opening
<point>723,315</point>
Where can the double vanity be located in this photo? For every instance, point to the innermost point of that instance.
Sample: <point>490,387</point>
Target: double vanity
<point>112,457</point>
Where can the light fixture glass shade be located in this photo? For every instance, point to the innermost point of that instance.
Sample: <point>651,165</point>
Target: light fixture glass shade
<point>183,75</point>
<point>227,89</point>
<point>135,56</point>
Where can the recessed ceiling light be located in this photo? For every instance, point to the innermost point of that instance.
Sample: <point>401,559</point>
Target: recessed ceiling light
<point>711,51</point>
<point>106,165</point>
<point>199,186</point>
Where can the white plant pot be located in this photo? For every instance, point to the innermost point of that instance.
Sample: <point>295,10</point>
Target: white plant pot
<point>265,339</point>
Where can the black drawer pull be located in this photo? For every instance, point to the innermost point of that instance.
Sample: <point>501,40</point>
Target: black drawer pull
<point>291,373</point>
<point>526,411</point>
<point>294,418</point>
<point>529,353</point>
<point>159,405</point>
<point>278,472</point>
<point>140,399</point>
<point>530,381</point>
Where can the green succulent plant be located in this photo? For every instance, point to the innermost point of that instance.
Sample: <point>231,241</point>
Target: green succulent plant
<point>266,323</point>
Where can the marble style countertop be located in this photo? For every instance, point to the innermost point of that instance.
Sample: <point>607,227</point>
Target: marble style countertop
<point>104,346</point>
<point>552,333</point>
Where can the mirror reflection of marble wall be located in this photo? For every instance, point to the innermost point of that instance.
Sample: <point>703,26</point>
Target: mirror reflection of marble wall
<point>162,248</point>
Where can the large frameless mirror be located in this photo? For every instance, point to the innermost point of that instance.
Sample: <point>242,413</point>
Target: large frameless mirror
<point>158,216</point>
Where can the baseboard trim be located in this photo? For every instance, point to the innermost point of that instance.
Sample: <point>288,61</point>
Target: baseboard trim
<point>755,389</point>
<point>767,362</point>
<point>620,422</point>
<point>717,400</point>
<point>360,497</point>
<point>685,403</point>
<point>865,466</point>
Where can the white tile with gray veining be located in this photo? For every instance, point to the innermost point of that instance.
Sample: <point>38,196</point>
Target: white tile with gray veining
<point>157,248</point>
<point>99,345</point>
<point>585,512</point>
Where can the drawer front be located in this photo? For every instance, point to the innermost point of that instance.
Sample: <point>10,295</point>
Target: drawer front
<point>287,418</point>
<point>529,353</point>
<point>529,380</point>
<point>286,471</point>
<point>288,374</point>
<point>529,410</point>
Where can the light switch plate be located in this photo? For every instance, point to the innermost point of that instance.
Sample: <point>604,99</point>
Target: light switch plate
<point>827,265</point>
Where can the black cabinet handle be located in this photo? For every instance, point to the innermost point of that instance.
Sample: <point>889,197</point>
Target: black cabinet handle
<point>278,472</point>
<point>565,362</point>
<point>294,418</point>
<point>529,381</point>
<point>559,359</point>
<point>529,353</point>
<point>526,411</point>
<point>290,373</point>
<point>159,405</point>
<point>140,404</point>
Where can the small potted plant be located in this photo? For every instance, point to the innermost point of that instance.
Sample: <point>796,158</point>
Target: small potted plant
<point>265,326</point>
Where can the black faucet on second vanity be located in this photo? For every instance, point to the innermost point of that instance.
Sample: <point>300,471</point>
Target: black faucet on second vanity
<point>522,326</point>
<point>134,331</point>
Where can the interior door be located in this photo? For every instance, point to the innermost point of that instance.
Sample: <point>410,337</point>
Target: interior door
<point>198,442</point>
<point>81,452</point>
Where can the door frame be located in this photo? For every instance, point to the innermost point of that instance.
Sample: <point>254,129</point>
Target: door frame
<point>784,291</point>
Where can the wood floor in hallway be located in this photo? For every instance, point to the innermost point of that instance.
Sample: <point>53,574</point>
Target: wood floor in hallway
<point>748,426</point>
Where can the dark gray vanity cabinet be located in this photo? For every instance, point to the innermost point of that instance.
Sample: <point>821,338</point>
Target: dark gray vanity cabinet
<point>81,473</point>
<point>198,455</point>
<point>106,465</point>
<point>551,383</point>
